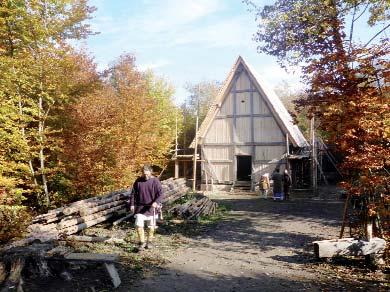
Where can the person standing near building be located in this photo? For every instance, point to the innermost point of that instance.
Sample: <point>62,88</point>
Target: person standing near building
<point>264,185</point>
<point>277,178</point>
<point>286,184</point>
<point>145,200</point>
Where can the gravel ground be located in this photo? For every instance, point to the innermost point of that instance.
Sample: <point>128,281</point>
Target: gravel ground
<point>262,245</point>
<point>257,245</point>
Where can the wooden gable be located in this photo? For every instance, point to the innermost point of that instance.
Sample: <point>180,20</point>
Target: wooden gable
<point>247,126</point>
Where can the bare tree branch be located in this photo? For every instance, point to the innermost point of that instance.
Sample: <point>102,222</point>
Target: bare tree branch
<point>378,33</point>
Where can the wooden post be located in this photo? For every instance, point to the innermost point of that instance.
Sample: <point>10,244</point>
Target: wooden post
<point>314,156</point>
<point>287,145</point>
<point>207,180</point>
<point>176,168</point>
<point>287,154</point>
<point>195,151</point>
<point>176,161</point>
<point>196,144</point>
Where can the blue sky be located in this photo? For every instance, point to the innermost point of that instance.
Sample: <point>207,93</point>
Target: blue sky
<point>181,40</point>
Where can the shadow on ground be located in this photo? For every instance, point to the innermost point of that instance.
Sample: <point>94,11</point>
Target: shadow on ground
<point>176,280</point>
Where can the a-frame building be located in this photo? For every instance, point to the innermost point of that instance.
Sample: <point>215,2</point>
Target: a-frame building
<point>247,132</point>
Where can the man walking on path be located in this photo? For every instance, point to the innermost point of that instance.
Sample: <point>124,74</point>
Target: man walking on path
<point>286,184</point>
<point>278,185</point>
<point>145,198</point>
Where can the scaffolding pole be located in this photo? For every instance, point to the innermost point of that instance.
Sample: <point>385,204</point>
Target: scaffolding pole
<point>313,156</point>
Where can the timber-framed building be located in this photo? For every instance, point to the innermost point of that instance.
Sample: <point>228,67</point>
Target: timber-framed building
<point>247,132</point>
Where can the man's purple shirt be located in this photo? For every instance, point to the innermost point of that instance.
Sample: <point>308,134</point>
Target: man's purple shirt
<point>145,192</point>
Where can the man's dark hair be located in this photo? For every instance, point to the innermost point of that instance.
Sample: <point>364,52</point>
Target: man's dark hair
<point>277,169</point>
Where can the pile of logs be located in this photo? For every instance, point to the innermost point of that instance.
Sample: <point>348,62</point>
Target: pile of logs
<point>193,209</point>
<point>173,190</point>
<point>79,215</point>
<point>82,214</point>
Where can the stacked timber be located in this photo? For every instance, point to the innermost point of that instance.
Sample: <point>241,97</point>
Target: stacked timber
<point>173,190</point>
<point>82,214</point>
<point>79,215</point>
<point>193,209</point>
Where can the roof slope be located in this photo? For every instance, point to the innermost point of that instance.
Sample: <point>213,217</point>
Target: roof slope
<point>274,103</point>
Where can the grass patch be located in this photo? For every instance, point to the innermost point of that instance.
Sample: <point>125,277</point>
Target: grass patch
<point>192,228</point>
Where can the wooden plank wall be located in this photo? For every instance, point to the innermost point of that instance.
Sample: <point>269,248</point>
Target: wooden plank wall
<point>244,125</point>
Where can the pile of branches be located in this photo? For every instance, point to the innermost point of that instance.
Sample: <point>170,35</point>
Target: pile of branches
<point>193,209</point>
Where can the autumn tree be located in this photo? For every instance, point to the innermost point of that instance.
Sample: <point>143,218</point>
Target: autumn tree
<point>347,81</point>
<point>35,63</point>
<point>127,122</point>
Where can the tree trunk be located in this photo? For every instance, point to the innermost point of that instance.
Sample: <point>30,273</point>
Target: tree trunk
<point>24,137</point>
<point>41,127</point>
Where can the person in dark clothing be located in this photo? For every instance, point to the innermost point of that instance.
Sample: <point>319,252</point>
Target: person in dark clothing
<point>145,199</point>
<point>278,184</point>
<point>286,184</point>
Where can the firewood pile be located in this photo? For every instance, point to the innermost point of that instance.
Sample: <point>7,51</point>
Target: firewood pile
<point>79,215</point>
<point>82,214</point>
<point>193,209</point>
<point>173,190</point>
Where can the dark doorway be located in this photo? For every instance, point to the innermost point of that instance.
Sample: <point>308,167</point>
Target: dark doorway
<point>244,167</point>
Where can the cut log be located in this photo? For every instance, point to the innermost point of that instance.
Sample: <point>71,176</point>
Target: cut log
<point>74,207</point>
<point>348,247</point>
<point>179,193</point>
<point>88,211</point>
<point>78,220</point>
<point>82,226</point>
<point>90,204</point>
<point>120,220</point>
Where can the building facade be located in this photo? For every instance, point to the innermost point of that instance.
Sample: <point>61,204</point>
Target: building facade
<point>247,132</point>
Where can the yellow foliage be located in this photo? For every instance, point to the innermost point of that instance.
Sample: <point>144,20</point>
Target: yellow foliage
<point>13,221</point>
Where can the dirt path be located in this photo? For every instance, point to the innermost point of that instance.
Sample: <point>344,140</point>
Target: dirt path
<point>260,245</point>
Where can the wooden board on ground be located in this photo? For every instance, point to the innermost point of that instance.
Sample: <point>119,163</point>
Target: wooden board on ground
<point>111,270</point>
<point>93,257</point>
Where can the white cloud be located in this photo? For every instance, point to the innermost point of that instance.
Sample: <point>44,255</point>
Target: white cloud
<point>163,16</point>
